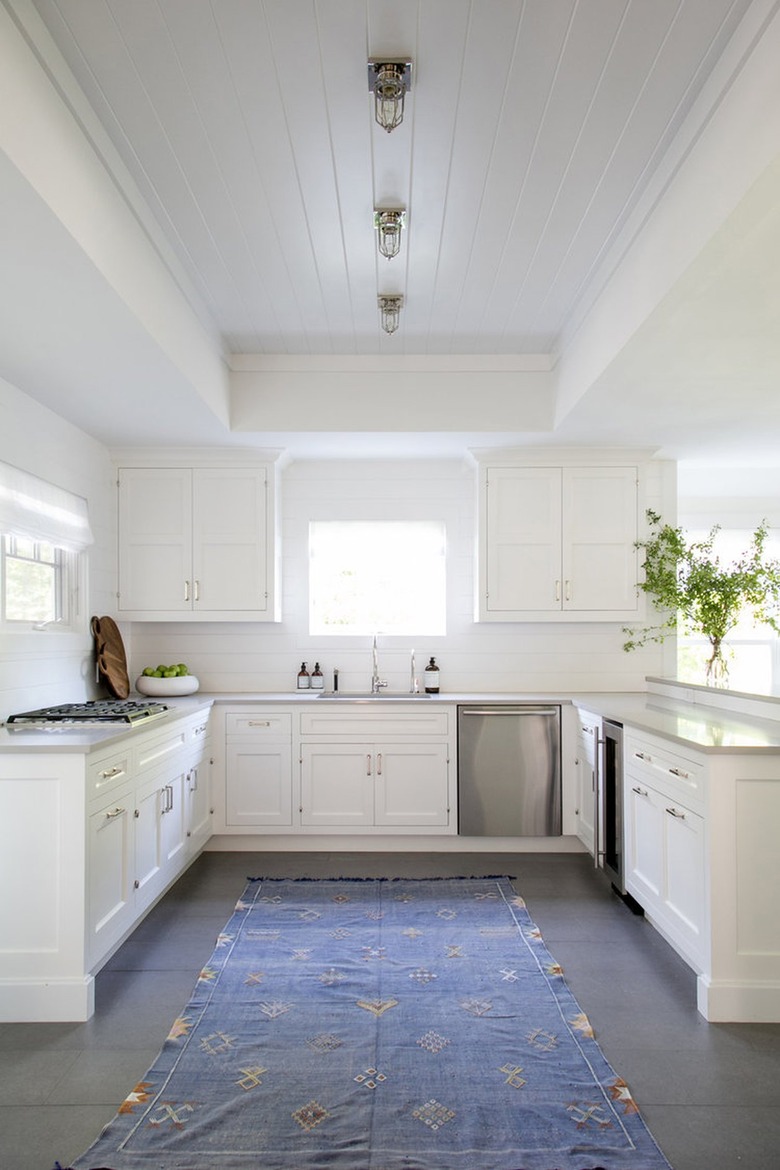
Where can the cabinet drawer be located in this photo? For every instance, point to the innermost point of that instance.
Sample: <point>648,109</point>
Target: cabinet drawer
<point>375,724</point>
<point>677,776</point>
<point>107,772</point>
<point>273,726</point>
<point>156,750</point>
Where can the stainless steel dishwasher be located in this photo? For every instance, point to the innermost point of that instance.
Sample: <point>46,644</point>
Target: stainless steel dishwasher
<point>509,770</point>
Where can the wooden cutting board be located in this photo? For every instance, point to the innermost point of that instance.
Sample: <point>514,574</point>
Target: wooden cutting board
<point>110,652</point>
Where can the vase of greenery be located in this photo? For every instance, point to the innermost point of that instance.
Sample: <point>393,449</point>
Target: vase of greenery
<point>688,584</point>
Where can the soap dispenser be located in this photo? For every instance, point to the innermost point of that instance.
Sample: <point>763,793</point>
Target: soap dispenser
<point>432,678</point>
<point>304,679</point>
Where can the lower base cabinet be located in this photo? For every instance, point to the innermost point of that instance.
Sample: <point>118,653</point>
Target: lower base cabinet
<point>702,860</point>
<point>111,830</point>
<point>337,768</point>
<point>665,865</point>
<point>372,785</point>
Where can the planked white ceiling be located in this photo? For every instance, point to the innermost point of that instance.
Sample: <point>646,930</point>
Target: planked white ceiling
<point>532,129</point>
<point>540,140</point>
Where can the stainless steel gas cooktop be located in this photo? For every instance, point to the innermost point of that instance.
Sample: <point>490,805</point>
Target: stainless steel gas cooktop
<point>93,711</point>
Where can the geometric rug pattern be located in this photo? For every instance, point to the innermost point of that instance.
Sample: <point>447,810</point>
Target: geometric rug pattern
<point>379,1024</point>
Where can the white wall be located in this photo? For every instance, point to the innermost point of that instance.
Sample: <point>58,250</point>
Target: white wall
<point>495,657</point>
<point>41,667</point>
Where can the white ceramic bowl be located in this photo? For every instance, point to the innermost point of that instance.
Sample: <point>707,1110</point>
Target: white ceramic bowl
<point>159,688</point>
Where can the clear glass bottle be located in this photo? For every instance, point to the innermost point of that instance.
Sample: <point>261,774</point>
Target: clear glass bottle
<point>304,679</point>
<point>317,679</point>
<point>431,678</point>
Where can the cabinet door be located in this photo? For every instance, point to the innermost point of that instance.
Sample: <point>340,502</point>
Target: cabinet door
<point>149,869</point>
<point>523,539</point>
<point>412,784</point>
<point>198,804</point>
<point>229,539</point>
<point>155,539</point>
<point>644,845</point>
<point>110,888</point>
<point>337,784</point>
<point>587,748</point>
<point>258,781</point>
<point>174,827</point>
<point>599,530</point>
<point>684,875</point>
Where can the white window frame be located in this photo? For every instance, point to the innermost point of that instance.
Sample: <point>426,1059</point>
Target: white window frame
<point>68,568</point>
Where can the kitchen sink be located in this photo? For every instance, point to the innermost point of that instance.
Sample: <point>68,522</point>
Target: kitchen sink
<point>381,696</point>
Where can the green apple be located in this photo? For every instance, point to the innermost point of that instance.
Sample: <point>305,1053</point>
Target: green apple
<point>148,670</point>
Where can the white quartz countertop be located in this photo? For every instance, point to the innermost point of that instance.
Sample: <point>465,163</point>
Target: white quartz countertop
<point>85,738</point>
<point>694,725</point>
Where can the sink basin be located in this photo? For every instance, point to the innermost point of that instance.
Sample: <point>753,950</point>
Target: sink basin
<point>381,696</point>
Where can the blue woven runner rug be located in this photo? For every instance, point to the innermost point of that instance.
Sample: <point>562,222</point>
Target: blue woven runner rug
<point>379,1025</point>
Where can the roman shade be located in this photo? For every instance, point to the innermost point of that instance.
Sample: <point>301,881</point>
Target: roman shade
<point>37,510</point>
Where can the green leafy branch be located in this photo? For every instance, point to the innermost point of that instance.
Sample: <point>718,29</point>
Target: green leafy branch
<point>688,584</point>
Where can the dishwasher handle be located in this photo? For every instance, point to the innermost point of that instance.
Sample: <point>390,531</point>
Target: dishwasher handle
<point>553,711</point>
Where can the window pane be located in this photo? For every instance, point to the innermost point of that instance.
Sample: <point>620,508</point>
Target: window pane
<point>380,576</point>
<point>30,591</point>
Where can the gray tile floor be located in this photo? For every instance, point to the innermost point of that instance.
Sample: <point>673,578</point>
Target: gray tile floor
<point>709,1092</point>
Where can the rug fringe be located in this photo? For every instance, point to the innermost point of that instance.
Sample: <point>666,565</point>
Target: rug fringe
<point>487,877</point>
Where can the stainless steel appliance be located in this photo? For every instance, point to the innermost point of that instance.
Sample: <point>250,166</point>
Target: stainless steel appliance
<point>509,770</point>
<point>131,711</point>
<point>609,805</point>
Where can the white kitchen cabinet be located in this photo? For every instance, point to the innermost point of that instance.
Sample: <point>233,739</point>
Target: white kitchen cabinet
<point>197,795</point>
<point>558,543</point>
<point>197,544</point>
<point>111,835</point>
<point>149,867</point>
<point>360,785</point>
<point>587,761</point>
<point>258,769</point>
<point>337,785</point>
<point>336,767</point>
<point>412,785</point>
<point>665,842</point>
<point>111,830</point>
<point>373,770</point>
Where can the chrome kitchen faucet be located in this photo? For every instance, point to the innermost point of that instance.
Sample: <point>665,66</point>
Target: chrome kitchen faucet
<point>376,682</point>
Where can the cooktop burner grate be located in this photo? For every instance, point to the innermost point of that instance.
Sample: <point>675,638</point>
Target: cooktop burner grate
<point>93,711</point>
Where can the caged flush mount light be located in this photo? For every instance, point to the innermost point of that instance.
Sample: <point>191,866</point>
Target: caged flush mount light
<point>389,223</point>
<point>389,82</point>
<point>390,311</point>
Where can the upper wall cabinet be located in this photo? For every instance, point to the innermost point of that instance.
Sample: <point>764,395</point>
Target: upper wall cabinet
<point>558,543</point>
<point>197,544</point>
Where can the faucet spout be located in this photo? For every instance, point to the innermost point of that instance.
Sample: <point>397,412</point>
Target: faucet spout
<point>376,682</point>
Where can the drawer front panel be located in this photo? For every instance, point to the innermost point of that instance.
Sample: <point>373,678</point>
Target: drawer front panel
<point>151,753</point>
<point>270,725</point>
<point>678,776</point>
<point>106,773</point>
<point>379,724</point>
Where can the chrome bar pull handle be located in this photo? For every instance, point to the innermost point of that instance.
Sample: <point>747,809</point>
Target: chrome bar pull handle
<point>186,590</point>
